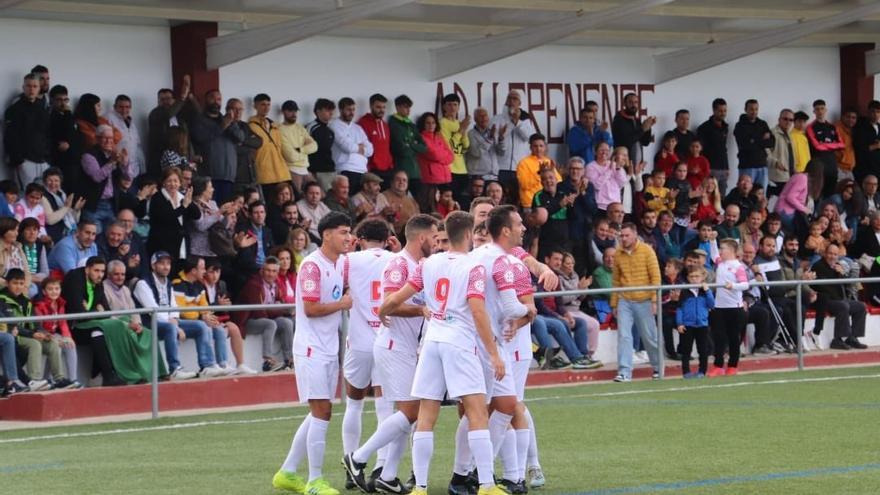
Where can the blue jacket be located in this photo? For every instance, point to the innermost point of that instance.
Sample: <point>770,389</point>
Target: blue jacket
<point>582,143</point>
<point>67,254</point>
<point>693,311</point>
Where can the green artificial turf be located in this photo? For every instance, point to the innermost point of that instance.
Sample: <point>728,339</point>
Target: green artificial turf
<point>816,433</point>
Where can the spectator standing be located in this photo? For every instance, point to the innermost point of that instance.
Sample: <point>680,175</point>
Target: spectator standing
<point>102,167</point>
<point>434,162</point>
<point>26,133</point>
<point>666,159</point>
<point>607,176</point>
<point>168,113</point>
<point>378,132</point>
<point>42,73</point>
<point>296,145</point>
<point>753,137</point>
<point>684,137</point>
<point>121,120</point>
<point>635,264</point>
<point>64,143</point>
<point>518,127</point>
<point>528,171</point>
<point>582,213</point>
<point>321,163</point>
<point>245,150</point>
<point>849,316</point>
<point>866,142</point>
<point>486,148</point>
<point>406,143</point>
<point>215,137</point>
<point>551,206</point>
<point>799,142</point>
<point>455,133</point>
<point>824,144</point>
<point>169,211</point>
<point>780,157</point>
<point>698,165</point>
<point>793,201</point>
<point>351,147</point>
<point>846,156</point>
<point>585,135</point>
<point>88,118</point>
<point>269,163</point>
<point>713,134</point>
<point>628,129</point>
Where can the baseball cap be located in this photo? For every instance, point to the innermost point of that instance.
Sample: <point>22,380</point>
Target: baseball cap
<point>158,255</point>
<point>290,106</point>
<point>371,177</point>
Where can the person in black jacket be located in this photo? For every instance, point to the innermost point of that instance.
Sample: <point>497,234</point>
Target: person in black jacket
<point>753,137</point>
<point>683,134</point>
<point>246,149</point>
<point>866,142</point>
<point>868,244</point>
<point>26,133</point>
<point>64,138</point>
<point>629,131</point>
<point>321,163</point>
<point>846,332</point>
<point>75,288</point>
<point>551,205</point>
<point>824,144</point>
<point>169,209</point>
<point>713,135</point>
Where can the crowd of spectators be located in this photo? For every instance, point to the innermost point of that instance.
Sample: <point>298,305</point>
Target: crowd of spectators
<point>207,207</point>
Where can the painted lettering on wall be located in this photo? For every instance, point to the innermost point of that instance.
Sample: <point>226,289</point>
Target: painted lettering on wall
<point>554,107</point>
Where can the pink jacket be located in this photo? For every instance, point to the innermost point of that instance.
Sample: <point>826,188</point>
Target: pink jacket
<point>793,197</point>
<point>608,183</point>
<point>435,164</point>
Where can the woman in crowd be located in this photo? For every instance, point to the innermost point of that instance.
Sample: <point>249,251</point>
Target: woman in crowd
<point>434,161</point>
<point>710,202</point>
<point>199,230</point>
<point>176,150</point>
<point>88,117</point>
<point>168,210</point>
<point>608,175</point>
<point>62,210</point>
<point>299,245</point>
<point>286,275</point>
<point>569,280</point>
<point>31,206</point>
<point>11,253</point>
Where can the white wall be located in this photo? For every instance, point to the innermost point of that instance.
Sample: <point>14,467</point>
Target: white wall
<point>88,58</point>
<point>336,67</point>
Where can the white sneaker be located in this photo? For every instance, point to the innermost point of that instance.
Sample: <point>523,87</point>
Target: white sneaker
<point>640,357</point>
<point>230,371</point>
<point>622,379</point>
<point>37,385</point>
<point>535,476</point>
<point>213,371</point>
<point>243,369</point>
<point>182,374</point>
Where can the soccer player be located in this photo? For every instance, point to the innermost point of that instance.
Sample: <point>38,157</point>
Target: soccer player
<point>506,229</point>
<point>365,278</point>
<point>321,298</point>
<point>395,354</point>
<point>454,285</point>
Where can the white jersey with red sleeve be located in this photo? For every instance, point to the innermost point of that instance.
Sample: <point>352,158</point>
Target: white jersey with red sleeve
<point>449,280</point>
<point>520,347</point>
<point>500,278</point>
<point>403,333</point>
<point>519,253</point>
<point>365,282</point>
<point>319,280</point>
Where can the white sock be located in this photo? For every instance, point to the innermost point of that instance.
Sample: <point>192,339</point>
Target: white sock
<point>463,457</point>
<point>387,433</point>
<point>481,446</point>
<point>317,442</point>
<point>498,423</point>
<point>533,443</point>
<point>351,424</point>
<point>422,450</point>
<point>384,410</point>
<point>523,439</point>
<point>297,447</point>
<point>508,456</point>
<point>394,452</point>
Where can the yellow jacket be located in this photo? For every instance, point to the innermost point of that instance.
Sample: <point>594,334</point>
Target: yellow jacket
<point>661,199</point>
<point>297,145</point>
<point>801,147</point>
<point>528,175</point>
<point>189,295</point>
<point>269,163</point>
<point>635,268</point>
<point>458,142</point>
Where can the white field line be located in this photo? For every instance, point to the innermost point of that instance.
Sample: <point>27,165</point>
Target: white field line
<point>177,426</point>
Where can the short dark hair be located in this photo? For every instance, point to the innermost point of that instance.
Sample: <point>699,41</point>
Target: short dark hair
<point>199,185</point>
<point>9,186</point>
<point>28,223</point>
<point>85,221</point>
<point>14,274</point>
<point>121,97</point>
<point>403,101</point>
<point>287,203</point>
<point>750,101</point>
<point>801,115</point>
<point>717,102</point>
<point>373,230</point>
<point>333,220</point>
<point>682,112</point>
<point>312,184</point>
<point>629,225</point>
<point>40,69</point>
<point>765,237</point>
<point>499,218</point>
<point>7,224</point>
<point>451,98</point>
<point>190,263</point>
<point>33,187</point>
<point>378,97</point>
<point>49,172</point>
<point>95,260</point>
<point>261,97</point>
<point>418,224</point>
<point>874,105</point>
<point>537,137</point>
<point>57,90</point>
<point>324,104</point>
<point>458,225</point>
<point>819,102</point>
<point>790,237</point>
<point>345,101</point>
<point>164,90</point>
<point>213,263</point>
<point>256,204</point>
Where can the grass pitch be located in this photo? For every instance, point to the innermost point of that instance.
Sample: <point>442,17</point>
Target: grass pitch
<point>806,433</point>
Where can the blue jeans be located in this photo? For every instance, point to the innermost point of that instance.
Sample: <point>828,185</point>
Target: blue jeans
<point>631,313</point>
<point>7,355</point>
<point>580,335</point>
<point>543,327</point>
<point>200,331</point>
<point>758,175</point>
<point>103,214</point>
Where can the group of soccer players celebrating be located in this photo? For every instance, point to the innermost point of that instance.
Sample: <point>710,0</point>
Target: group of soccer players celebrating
<point>423,326</point>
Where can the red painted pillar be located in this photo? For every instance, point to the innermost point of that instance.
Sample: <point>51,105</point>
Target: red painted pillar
<point>856,88</point>
<point>189,56</point>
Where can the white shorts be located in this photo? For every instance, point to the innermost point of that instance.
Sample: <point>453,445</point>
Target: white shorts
<point>316,378</point>
<point>395,370</point>
<point>520,375</point>
<point>498,388</point>
<point>446,368</point>
<point>358,369</point>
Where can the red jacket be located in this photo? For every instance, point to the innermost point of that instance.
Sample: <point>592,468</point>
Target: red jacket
<point>252,293</point>
<point>379,134</point>
<point>435,163</point>
<point>698,170</point>
<point>283,294</point>
<point>44,307</point>
<point>667,164</point>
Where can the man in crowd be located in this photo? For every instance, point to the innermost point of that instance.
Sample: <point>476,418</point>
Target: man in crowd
<point>101,166</point>
<point>583,137</point>
<point>120,118</point>
<point>337,198</point>
<point>167,114</point>
<point>683,134</point>
<point>750,231</point>
<point>296,145</point>
<point>321,164</point>
<point>728,228</point>
<point>528,169</point>
<point>351,147</point>
<point>713,135</point>
<point>269,165</point>
<point>518,128</point>
<point>251,257</point>
<point>849,316</point>
<point>780,158</point>
<point>245,150</point>
<point>846,156</point>
<point>369,203</point>
<point>628,129</point>
<point>215,137</point>
<point>378,132</point>
<point>400,200</point>
<point>742,196</point>
<point>486,148</point>
<point>73,251</point>
<point>262,288</point>
<point>406,142</point>
<point>551,207</point>
<point>824,144</point>
<point>113,244</point>
<point>866,141</point>
<point>312,209</point>
<point>753,137</point>
<point>26,133</point>
<point>64,146</point>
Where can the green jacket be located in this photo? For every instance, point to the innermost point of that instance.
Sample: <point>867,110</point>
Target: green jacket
<point>406,143</point>
<point>19,307</point>
<point>602,280</point>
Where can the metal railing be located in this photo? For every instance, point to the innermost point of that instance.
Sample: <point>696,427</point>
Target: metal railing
<point>659,290</point>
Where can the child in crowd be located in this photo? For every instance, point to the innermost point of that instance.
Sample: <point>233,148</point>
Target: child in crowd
<point>31,206</point>
<point>666,159</point>
<point>773,228</point>
<point>729,316</point>
<point>37,343</point>
<point>698,165</point>
<point>815,244</point>
<point>657,196</point>
<point>53,304</point>
<point>35,252</point>
<point>681,188</point>
<point>9,191</point>
<point>445,203</point>
<point>602,277</point>
<point>692,320</point>
<point>671,276</point>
